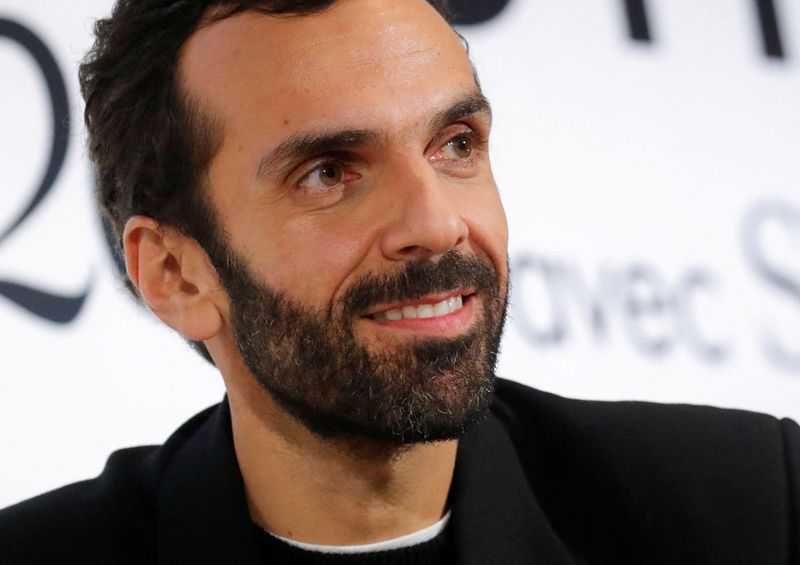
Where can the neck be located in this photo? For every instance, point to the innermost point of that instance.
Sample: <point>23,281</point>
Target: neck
<point>334,492</point>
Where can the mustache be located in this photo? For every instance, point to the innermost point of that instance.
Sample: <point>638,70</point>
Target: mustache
<point>419,278</point>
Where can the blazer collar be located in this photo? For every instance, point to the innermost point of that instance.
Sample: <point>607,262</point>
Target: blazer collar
<point>203,515</point>
<point>496,517</point>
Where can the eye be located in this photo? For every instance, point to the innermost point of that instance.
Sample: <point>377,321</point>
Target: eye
<point>459,147</point>
<point>323,177</point>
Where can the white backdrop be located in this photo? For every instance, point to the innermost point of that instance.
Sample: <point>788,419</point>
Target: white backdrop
<point>653,193</point>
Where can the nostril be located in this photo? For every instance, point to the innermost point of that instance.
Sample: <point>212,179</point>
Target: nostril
<point>416,252</point>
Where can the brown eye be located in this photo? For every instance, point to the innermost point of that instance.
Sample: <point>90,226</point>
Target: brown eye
<point>459,147</point>
<point>330,174</point>
<point>323,177</point>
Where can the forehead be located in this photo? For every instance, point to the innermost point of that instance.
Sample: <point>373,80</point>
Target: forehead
<point>369,63</point>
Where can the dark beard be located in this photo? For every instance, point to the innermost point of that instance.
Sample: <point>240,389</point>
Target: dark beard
<point>311,363</point>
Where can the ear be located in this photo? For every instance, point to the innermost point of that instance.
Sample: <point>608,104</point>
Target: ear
<point>174,277</point>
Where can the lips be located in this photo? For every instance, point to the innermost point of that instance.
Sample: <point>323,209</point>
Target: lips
<point>442,308</point>
<point>430,306</point>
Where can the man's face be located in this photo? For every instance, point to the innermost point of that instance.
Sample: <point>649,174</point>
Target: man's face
<point>366,243</point>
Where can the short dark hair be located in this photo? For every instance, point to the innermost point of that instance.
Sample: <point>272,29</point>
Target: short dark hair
<point>149,142</point>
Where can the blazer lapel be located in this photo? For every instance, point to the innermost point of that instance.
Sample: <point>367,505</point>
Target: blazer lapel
<point>203,515</point>
<point>496,517</point>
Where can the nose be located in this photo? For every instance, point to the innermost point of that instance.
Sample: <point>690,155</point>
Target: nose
<point>425,218</point>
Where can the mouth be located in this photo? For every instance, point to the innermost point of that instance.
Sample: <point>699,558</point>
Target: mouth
<point>428,306</point>
<point>443,313</point>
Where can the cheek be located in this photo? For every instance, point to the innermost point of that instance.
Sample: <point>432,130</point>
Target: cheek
<point>500,223</point>
<point>311,260</point>
<point>488,225</point>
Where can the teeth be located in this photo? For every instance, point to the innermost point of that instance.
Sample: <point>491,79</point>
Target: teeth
<point>441,308</point>
<point>423,310</point>
<point>408,312</point>
<point>395,314</point>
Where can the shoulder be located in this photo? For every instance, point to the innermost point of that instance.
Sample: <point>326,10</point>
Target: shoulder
<point>645,436</point>
<point>92,517</point>
<point>629,424</point>
<point>108,519</point>
<point>686,435</point>
<point>684,472</point>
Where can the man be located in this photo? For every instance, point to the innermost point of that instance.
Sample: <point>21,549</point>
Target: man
<point>303,190</point>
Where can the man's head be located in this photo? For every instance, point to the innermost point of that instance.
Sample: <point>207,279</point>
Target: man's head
<point>334,180</point>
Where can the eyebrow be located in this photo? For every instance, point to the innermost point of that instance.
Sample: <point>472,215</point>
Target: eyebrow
<point>472,104</point>
<point>304,146</point>
<point>301,147</point>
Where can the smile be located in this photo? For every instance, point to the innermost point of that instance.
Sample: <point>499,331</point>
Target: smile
<point>443,314</point>
<point>411,311</point>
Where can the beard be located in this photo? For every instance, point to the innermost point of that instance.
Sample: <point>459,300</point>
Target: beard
<point>313,365</point>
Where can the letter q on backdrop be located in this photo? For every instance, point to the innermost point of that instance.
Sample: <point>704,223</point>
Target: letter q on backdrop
<point>647,155</point>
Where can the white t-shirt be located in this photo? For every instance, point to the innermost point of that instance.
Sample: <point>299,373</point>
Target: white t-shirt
<point>414,538</point>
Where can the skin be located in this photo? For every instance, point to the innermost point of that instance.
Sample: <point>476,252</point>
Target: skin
<point>406,193</point>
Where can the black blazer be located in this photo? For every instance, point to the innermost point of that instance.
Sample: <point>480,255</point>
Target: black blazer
<point>542,480</point>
